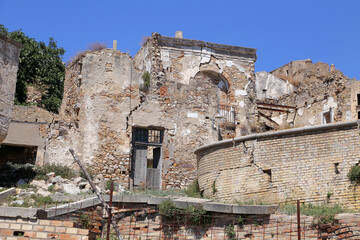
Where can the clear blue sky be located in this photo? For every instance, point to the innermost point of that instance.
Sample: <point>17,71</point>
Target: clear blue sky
<point>282,31</point>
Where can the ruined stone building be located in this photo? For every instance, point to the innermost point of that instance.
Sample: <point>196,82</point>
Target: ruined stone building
<point>138,120</point>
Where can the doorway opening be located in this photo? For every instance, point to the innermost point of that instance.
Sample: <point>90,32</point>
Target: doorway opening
<point>146,157</point>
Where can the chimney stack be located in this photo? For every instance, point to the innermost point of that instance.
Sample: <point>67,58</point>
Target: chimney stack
<point>179,34</point>
<point>114,45</point>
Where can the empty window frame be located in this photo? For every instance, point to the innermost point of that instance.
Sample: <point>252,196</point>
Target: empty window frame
<point>327,117</point>
<point>143,135</point>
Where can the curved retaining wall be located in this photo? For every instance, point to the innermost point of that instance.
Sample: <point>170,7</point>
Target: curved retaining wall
<point>309,163</point>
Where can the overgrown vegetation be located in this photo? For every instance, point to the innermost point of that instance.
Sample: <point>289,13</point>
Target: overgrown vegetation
<point>146,84</point>
<point>193,189</point>
<point>11,173</point>
<point>33,201</point>
<point>63,171</point>
<point>323,213</point>
<point>354,175</point>
<point>230,232</point>
<point>192,215</point>
<point>40,65</point>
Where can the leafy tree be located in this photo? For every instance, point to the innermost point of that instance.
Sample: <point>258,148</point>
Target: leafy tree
<point>39,65</point>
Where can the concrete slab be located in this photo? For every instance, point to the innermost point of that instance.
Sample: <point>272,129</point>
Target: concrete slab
<point>72,207</point>
<point>5,194</point>
<point>254,209</point>
<point>218,207</point>
<point>18,212</point>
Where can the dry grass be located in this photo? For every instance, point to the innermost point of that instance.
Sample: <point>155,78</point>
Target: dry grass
<point>144,39</point>
<point>95,46</point>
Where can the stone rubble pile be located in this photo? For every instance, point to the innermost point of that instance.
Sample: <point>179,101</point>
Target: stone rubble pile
<point>56,186</point>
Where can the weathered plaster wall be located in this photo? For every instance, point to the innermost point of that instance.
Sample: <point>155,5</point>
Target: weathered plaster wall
<point>305,163</point>
<point>9,60</point>
<point>270,86</point>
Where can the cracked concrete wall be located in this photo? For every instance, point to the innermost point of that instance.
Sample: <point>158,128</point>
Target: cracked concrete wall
<point>305,163</point>
<point>9,60</point>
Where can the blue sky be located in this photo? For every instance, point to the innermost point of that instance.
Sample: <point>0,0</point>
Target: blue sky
<point>281,31</point>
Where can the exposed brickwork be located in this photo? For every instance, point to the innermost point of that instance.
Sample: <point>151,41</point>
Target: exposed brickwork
<point>40,229</point>
<point>277,167</point>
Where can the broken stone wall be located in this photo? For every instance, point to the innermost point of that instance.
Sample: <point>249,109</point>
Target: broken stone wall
<point>184,95</point>
<point>320,91</point>
<point>98,99</point>
<point>190,82</point>
<point>9,60</point>
<point>305,163</point>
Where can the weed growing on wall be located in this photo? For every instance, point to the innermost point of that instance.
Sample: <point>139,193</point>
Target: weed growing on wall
<point>230,232</point>
<point>323,213</point>
<point>193,189</point>
<point>63,171</point>
<point>146,85</point>
<point>192,215</point>
<point>354,175</point>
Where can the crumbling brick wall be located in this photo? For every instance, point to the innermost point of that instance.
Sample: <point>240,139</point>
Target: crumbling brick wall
<point>304,163</point>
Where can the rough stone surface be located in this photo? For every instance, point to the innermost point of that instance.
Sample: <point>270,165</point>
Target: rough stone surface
<point>71,189</point>
<point>9,60</point>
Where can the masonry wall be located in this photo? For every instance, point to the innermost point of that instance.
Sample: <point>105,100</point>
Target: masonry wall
<point>104,102</point>
<point>9,60</point>
<point>309,163</point>
<point>18,228</point>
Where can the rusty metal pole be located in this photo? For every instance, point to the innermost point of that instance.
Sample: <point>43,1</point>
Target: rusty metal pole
<point>298,219</point>
<point>97,192</point>
<point>109,211</point>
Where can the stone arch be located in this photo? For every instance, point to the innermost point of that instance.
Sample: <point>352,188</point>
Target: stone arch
<point>219,79</point>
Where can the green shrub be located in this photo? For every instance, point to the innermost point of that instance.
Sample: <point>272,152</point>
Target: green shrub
<point>230,232</point>
<point>168,210</point>
<point>192,215</point>
<point>146,78</point>
<point>15,172</point>
<point>195,215</point>
<point>193,190</point>
<point>63,171</point>
<point>354,174</point>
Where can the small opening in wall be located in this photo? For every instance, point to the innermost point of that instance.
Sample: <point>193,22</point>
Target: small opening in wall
<point>268,172</point>
<point>358,115</point>
<point>336,165</point>
<point>18,233</point>
<point>327,117</point>
<point>358,99</point>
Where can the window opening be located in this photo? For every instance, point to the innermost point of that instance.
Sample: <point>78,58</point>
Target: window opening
<point>359,115</point>
<point>336,165</point>
<point>358,99</point>
<point>327,117</point>
<point>268,172</point>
